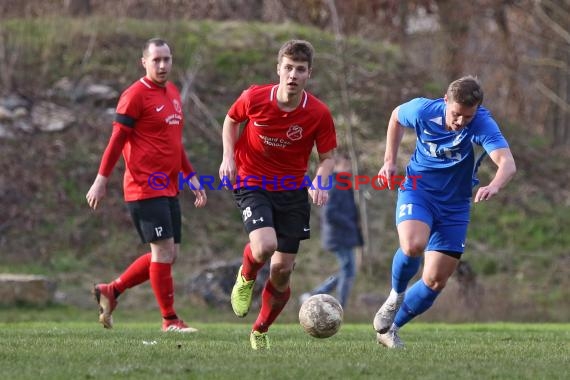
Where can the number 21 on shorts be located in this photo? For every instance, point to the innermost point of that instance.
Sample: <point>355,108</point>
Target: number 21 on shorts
<point>405,210</point>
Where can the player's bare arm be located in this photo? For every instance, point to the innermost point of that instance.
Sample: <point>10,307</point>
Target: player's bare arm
<point>97,191</point>
<point>324,170</point>
<point>506,169</point>
<point>230,134</point>
<point>110,157</point>
<point>393,139</point>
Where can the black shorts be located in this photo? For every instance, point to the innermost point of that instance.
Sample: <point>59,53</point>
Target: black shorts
<point>157,218</point>
<point>288,212</point>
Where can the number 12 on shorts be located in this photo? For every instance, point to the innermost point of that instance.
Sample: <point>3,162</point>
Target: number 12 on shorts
<point>405,209</point>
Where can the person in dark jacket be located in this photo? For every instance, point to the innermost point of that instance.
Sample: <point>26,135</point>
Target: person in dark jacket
<point>340,232</point>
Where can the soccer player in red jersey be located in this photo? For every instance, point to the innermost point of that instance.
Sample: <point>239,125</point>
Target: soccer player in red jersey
<point>266,164</point>
<point>148,132</point>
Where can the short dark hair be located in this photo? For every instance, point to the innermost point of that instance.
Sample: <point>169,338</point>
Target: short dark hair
<point>466,91</point>
<point>156,41</point>
<point>297,50</point>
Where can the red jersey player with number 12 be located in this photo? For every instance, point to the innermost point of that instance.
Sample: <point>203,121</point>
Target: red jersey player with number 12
<point>267,164</point>
<point>148,131</point>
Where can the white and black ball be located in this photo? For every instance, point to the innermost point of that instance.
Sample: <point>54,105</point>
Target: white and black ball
<point>321,316</point>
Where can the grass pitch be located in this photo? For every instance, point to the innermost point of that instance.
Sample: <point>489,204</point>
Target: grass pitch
<point>84,350</point>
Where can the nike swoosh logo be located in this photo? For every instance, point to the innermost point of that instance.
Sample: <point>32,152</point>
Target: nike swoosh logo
<point>158,109</point>
<point>462,245</point>
<point>428,132</point>
<point>305,229</point>
<point>259,124</point>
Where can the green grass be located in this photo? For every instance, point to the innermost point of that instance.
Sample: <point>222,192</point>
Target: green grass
<point>83,350</point>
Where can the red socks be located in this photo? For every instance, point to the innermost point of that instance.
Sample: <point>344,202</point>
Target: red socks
<point>272,303</point>
<point>160,275</point>
<point>250,267</point>
<point>272,300</point>
<point>135,274</point>
<point>163,287</point>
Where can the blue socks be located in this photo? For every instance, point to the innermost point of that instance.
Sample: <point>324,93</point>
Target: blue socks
<point>418,299</point>
<point>403,269</point>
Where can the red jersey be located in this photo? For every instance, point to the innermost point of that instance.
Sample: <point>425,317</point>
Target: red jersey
<point>152,118</point>
<point>274,147</point>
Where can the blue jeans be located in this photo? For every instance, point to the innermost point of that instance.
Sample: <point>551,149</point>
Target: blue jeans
<point>343,279</point>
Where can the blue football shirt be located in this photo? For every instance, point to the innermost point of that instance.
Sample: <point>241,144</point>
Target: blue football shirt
<point>443,160</point>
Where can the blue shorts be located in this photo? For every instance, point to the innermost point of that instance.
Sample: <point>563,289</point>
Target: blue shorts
<point>448,222</point>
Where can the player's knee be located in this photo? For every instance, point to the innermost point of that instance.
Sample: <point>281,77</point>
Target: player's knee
<point>436,283</point>
<point>413,248</point>
<point>163,252</point>
<point>264,250</point>
<point>280,274</point>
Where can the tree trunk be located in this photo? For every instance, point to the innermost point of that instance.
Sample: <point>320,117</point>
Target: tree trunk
<point>77,7</point>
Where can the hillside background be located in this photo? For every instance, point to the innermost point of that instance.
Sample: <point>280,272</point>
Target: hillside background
<point>371,56</point>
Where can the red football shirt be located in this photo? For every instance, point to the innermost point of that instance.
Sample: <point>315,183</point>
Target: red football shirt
<point>152,117</point>
<point>274,147</point>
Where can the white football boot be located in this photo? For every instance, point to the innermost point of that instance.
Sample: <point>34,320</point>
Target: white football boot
<point>387,313</point>
<point>390,339</point>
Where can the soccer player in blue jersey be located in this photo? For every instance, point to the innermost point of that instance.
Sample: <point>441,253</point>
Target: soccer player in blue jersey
<point>432,212</point>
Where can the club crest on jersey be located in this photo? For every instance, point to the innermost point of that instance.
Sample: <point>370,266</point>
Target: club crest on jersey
<point>177,106</point>
<point>295,133</point>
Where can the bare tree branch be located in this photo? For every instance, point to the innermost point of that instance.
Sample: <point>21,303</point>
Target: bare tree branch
<point>552,96</point>
<point>187,93</point>
<point>549,22</point>
<point>548,62</point>
<point>89,50</point>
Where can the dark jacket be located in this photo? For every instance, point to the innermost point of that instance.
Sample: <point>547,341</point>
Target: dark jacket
<point>340,224</point>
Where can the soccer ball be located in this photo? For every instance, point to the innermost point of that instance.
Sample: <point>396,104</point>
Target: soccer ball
<point>321,316</point>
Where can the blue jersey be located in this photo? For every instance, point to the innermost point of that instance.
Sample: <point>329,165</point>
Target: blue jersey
<point>442,163</point>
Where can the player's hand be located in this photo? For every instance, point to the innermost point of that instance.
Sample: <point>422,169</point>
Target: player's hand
<point>320,197</point>
<point>385,174</point>
<point>97,192</point>
<point>199,192</point>
<point>201,198</point>
<point>485,193</point>
<point>227,171</point>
